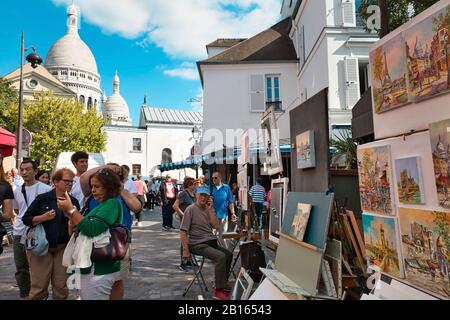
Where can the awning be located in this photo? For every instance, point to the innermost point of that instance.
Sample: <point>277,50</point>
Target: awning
<point>7,142</point>
<point>230,155</point>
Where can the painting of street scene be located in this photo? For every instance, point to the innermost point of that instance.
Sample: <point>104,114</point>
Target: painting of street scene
<point>409,180</point>
<point>374,170</point>
<point>380,237</point>
<point>306,157</point>
<point>300,221</point>
<point>426,249</point>
<point>388,72</point>
<point>428,50</point>
<point>440,148</point>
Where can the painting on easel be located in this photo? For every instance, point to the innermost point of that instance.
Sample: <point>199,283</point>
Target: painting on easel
<point>300,221</point>
<point>380,238</point>
<point>374,170</point>
<point>426,247</point>
<point>440,145</point>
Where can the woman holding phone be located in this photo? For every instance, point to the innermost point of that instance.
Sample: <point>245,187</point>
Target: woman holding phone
<point>44,209</point>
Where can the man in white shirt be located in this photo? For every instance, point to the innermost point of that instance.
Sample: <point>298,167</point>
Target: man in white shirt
<point>80,161</point>
<point>23,197</point>
<point>129,185</point>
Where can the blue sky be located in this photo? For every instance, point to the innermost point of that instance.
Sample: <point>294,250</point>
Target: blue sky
<point>153,44</point>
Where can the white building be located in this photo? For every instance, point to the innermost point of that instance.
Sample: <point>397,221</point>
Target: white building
<point>169,136</point>
<point>317,45</point>
<point>332,48</point>
<point>71,61</point>
<point>241,78</point>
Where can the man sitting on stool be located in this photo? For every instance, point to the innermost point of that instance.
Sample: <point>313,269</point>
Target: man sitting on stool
<point>197,237</point>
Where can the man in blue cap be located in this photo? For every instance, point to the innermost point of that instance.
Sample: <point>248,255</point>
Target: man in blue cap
<point>196,234</point>
<point>258,196</point>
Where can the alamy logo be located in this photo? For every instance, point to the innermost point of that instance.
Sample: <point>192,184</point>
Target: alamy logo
<point>373,22</point>
<point>74,280</point>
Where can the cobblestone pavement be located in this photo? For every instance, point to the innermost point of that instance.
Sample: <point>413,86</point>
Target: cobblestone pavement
<point>154,269</point>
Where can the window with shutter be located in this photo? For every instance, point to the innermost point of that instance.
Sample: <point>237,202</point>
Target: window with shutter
<point>257,99</point>
<point>348,13</point>
<point>352,82</point>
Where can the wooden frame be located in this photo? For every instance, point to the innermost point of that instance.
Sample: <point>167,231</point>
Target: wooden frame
<point>245,294</point>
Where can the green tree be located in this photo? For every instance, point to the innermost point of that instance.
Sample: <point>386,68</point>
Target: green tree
<point>7,96</point>
<point>400,11</point>
<point>57,125</point>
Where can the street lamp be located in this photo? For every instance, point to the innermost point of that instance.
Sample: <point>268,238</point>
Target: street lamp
<point>196,132</point>
<point>35,60</point>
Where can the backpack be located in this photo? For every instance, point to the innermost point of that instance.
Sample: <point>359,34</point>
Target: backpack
<point>253,257</point>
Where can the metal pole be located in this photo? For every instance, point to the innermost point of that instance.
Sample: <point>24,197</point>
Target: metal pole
<point>384,9</point>
<point>20,121</point>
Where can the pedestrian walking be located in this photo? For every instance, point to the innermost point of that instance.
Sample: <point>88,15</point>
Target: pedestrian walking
<point>169,192</point>
<point>223,201</point>
<point>141,191</point>
<point>257,195</point>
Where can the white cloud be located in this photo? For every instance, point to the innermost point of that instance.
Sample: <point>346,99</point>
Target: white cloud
<point>180,28</point>
<point>186,71</point>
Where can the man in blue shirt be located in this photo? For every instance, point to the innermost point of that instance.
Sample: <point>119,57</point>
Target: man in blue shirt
<point>223,201</point>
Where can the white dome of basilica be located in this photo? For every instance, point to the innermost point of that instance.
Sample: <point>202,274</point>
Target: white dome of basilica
<point>115,109</point>
<point>71,61</point>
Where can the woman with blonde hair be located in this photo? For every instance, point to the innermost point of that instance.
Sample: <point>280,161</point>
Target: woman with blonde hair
<point>44,209</point>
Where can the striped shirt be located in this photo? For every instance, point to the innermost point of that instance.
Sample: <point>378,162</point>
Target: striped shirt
<point>258,193</point>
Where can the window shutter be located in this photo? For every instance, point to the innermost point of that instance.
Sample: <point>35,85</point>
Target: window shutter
<point>257,98</point>
<point>352,82</point>
<point>348,13</point>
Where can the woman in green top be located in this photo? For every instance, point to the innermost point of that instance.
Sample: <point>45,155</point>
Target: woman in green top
<point>96,282</point>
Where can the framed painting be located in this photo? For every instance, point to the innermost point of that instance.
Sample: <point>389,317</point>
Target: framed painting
<point>380,237</point>
<point>388,72</point>
<point>306,155</point>
<point>375,179</point>
<point>427,52</point>
<point>271,135</point>
<point>409,181</point>
<point>300,221</point>
<point>426,244</point>
<point>440,148</point>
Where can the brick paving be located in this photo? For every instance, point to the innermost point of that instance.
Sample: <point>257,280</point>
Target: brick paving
<point>154,269</point>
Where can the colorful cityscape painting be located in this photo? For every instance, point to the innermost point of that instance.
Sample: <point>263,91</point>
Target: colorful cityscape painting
<point>409,180</point>
<point>427,50</point>
<point>300,221</point>
<point>380,238</point>
<point>375,176</point>
<point>388,72</point>
<point>426,247</point>
<point>306,157</point>
<point>440,148</point>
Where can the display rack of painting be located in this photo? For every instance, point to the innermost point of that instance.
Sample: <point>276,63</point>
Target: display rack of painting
<point>374,170</point>
<point>413,65</point>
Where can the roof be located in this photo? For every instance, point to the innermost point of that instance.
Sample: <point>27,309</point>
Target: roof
<point>272,44</point>
<point>171,116</point>
<point>39,71</point>
<point>225,43</point>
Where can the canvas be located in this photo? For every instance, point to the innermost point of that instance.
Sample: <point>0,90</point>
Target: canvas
<point>380,237</point>
<point>272,143</point>
<point>306,157</point>
<point>375,178</point>
<point>440,148</point>
<point>388,72</point>
<point>409,181</point>
<point>427,56</point>
<point>426,246</point>
<point>300,221</point>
